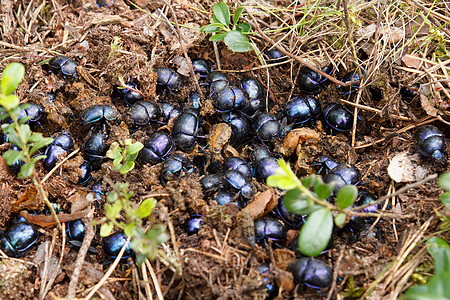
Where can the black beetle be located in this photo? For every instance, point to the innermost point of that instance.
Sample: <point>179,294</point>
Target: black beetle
<point>202,67</point>
<point>265,167</point>
<point>113,244</point>
<point>76,230</point>
<point>342,175</point>
<point>271,288</point>
<point>239,126</point>
<point>63,66</point>
<point>303,110</point>
<point>169,111</point>
<point>269,228</point>
<point>275,56</point>
<point>239,182</point>
<point>169,79</point>
<point>143,112</point>
<point>18,238</point>
<point>186,129</point>
<point>226,197</point>
<point>338,118</point>
<point>326,164</point>
<point>127,95</point>
<point>211,183</point>
<point>255,92</point>
<point>431,143</point>
<point>86,176</point>
<point>312,272</point>
<point>311,82</point>
<point>157,147</point>
<point>62,144</point>
<point>33,111</point>
<point>267,127</point>
<point>260,152</point>
<point>357,223</point>
<point>290,219</point>
<point>97,113</point>
<point>350,76</point>
<point>231,98</point>
<point>174,166</point>
<point>217,81</point>
<point>238,164</point>
<point>95,147</point>
<point>409,93</point>
<point>193,224</point>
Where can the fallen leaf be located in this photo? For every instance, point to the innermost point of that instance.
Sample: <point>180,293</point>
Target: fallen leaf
<point>428,103</point>
<point>406,167</point>
<point>45,221</point>
<point>262,204</point>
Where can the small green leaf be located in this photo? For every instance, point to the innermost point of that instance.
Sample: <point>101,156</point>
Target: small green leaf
<point>237,14</point>
<point>445,199</point>
<point>440,251</point>
<point>346,196</point>
<point>217,37</point>
<point>316,232</point>
<point>222,13</point>
<point>281,180</point>
<point>127,167</point>
<point>140,258</point>
<point>35,159</point>
<point>243,27</point>
<point>11,78</point>
<point>436,289</point>
<point>11,156</point>
<point>308,181</point>
<point>14,138</point>
<point>295,202</point>
<point>25,170</point>
<point>128,230</point>
<point>114,151</point>
<point>25,131</point>
<point>41,142</point>
<point>237,42</point>
<point>9,101</point>
<point>146,207</point>
<point>339,220</point>
<point>444,181</point>
<point>323,190</point>
<point>112,197</point>
<point>115,209</point>
<point>134,148</point>
<point>211,28</point>
<point>106,229</point>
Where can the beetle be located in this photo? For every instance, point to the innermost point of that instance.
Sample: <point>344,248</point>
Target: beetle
<point>86,176</point>
<point>312,272</point>
<point>174,166</point>
<point>311,82</point>
<point>62,144</point>
<point>357,223</point>
<point>238,164</point>
<point>169,111</point>
<point>267,127</point>
<point>157,147</point>
<point>193,224</point>
<point>169,79</point>
<point>217,81</point>
<point>31,110</point>
<point>350,76</point>
<point>271,287</point>
<point>431,143</point>
<point>211,183</point>
<point>127,95</point>
<point>18,237</point>
<point>226,197</point>
<point>303,110</point>
<point>231,98</point>
<point>202,66</point>
<point>63,66</point>
<point>338,118</point>
<point>275,56</point>
<point>326,164</point>
<point>269,228</point>
<point>239,126</point>
<point>290,219</point>
<point>95,147</point>
<point>186,129</point>
<point>260,152</point>
<point>76,230</point>
<point>342,175</point>
<point>255,93</point>
<point>239,182</point>
<point>143,112</point>
<point>97,113</point>
<point>113,243</point>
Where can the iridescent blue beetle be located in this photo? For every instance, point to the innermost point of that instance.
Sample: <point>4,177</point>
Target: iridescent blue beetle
<point>98,113</point>
<point>113,244</point>
<point>431,143</point>
<point>18,237</point>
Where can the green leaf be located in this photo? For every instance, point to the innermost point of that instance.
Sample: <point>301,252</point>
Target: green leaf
<point>222,13</point>
<point>25,170</point>
<point>281,180</point>
<point>217,37</point>
<point>106,229</point>
<point>323,190</point>
<point>146,207</point>
<point>445,199</point>
<point>114,151</point>
<point>440,251</point>
<point>237,42</point>
<point>244,27</point>
<point>112,197</point>
<point>140,258</point>
<point>436,289</point>
<point>308,181</point>
<point>127,167</point>
<point>41,142</point>
<point>346,196</point>
<point>339,220</point>
<point>37,158</point>
<point>11,78</point>
<point>115,209</point>
<point>25,131</point>
<point>9,101</point>
<point>11,156</point>
<point>14,138</point>
<point>444,181</point>
<point>237,14</point>
<point>211,28</point>
<point>134,148</point>
<point>128,230</point>
<point>295,202</point>
<point>316,232</point>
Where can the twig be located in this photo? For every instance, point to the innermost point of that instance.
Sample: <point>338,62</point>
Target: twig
<point>155,280</point>
<point>335,273</point>
<point>175,246</point>
<point>59,165</point>
<point>147,287</point>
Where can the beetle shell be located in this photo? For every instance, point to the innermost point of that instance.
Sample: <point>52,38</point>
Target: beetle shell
<point>173,167</point>
<point>239,126</point>
<point>271,288</point>
<point>217,81</point>
<point>18,238</point>
<point>76,230</point>
<point>350,76</point>
<point>275,56</point>
<point>95,147</point>
<point>265,167</point>
<point>63,143</point>
<point>157,147</point>
<point>185,129</point>
<point>267,126</point>
<point>33,111</point>
<point>342,175</point>
<point>142,113</point>
<point>312,272</point>
<point>63,66</point>
<point>193,224</point>
<point>86,176</point>
<point>239,182</point>
<point>231,98</point>
<point>224,197</point>
<point>237,164</point>
<point>290,219</point>
<point>311,82</point>
<point>211,183</point>
<point>114,243</point>
<point>169,111</point>
<point>326,164</point>
<point>259,153</point>
<point>202,66</point>
<point>337,117</point>
<point>268,228</point>
<point>301,110</point>
<point>255,92</point>
<point>127,95</point>
<point>431,142</point>
<point>169,78</point>
<point>97,113</point>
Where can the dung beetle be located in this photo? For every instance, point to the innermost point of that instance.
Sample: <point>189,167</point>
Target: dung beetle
<point>95,147</point>
<point>169,111</point>
<point>240,183</point>
<point>431,143</point>
<point>342,175</point>
<point>409,93</point>
<point>239,126</point>
<point>269,228</point>
<point>312,272</point>
<point>63,66</point>
<point>255,93</point>
<point>311,82</point>
<point>113,244</point>
<point>217,81</point>
<point>226,197</point>
<point>193,224</point>
<point>186,129</point>
<point>202,67</point>
<point>326,164</point>
<point>290,219</point>
<point>231,98</point>
<point>86,176</point>
<point>357,223</point>
<point>143,112</point>
<point>267,127</point>
<point>76,230</point>
<point>194,100</point>
<point>271,288</point>
<point>275,56</point>
<point>96,187</point>
<point>127,95</point>
<point>169,79</point>
<point>303,110</point>
<point>174,166</point>
<point>157,147</point>
<point>260,152</point>
<point>62,144</point>
<point>97,113</point>
<point>18,238</point>
<point>33,111</point>
<point>211,183</point>
<point>238,164</point>
<point>338,118</point>
<point>265,167</point>
<point>350,76</point>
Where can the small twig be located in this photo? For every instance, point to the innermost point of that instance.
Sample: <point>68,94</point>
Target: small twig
<point>335,273</point>
<point>175,247</point>
<point>375,110</point>
<point>155,280</point>
<point>147,287</point>
<point>259,67</point>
